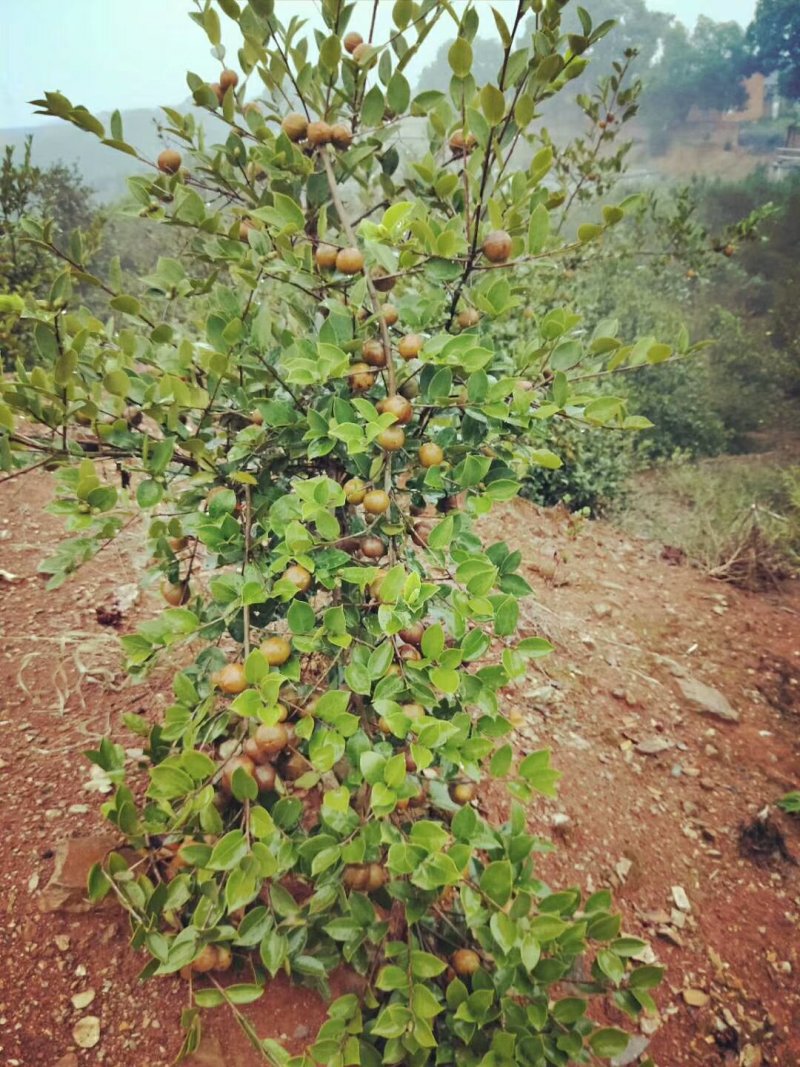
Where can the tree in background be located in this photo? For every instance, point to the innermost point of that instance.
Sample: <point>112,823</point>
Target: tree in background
<point>57,193</point>
<point>703,68</point>
<point>773,39</point>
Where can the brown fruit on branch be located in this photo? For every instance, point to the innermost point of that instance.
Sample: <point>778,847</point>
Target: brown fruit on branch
<point>415,712</point>
<point>410,346</point>
<point>382,280</point>
<point>372,547</point>
<point>351,41</point>
<point>341,136</point>
<point>319,133</point>
<point>252,751</point>
<point>265,777</point>
<point>408,653</point>
<point>229,79</point>
<point>271,739</point>
<point>298,576</point>
<point>294,767</point>
<point>230,678</point>
<point>465,962</point>
<point>389,314</point>
<point>392,439</point>
<point>354,490</point>
<point>177,544</point>
<point>245,226</point>
<point>461,144</point>
<point>224,958</point>
<point>430,454</point>
<point>468,317</point>
<point>169,161</point>
<point>232,766</point>
<point>373,352</point>
<point>376,502</point>
<point>206,961</point>
<point>356,876</point>
<point>350,261</point>
<point>376,585</point>
<point>462,792</point>
<point>396,405</point>
<point>376,878</point>
<point>276,651</point>
<point>218,91</point>
<point>410,389</point>
<point>497,246</point>
<point>175,593</point>
<point>361,377</point>
<point>325,256</point>
<point>295,126</point>
<point>413,634</point>
<point>361,51</point>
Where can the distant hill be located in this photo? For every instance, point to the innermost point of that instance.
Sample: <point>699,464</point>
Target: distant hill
<point>103,168</point>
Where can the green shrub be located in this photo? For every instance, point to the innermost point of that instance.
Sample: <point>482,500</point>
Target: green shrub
<point>594,472</point>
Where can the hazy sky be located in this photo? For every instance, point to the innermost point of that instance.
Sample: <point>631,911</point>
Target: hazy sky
<point>132,53</point>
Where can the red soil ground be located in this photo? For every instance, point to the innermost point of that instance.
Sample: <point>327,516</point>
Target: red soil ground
<point>627,627</point>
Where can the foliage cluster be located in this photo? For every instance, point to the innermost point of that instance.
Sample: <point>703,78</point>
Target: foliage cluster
<point>311,455</point>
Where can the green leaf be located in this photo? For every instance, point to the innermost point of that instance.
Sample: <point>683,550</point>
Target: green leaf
<point>228,851</point>
<point>497,882</point>
<point>301,617</point>
<point>493,104</point>
<point>460,57</point>
<point>608,1042</point>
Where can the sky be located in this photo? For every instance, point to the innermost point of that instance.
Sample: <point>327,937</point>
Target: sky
<point>132,53</point>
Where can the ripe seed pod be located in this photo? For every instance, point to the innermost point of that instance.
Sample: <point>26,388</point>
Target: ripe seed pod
<point>351,41</point>
<point>396,405</point>
<point>341,136</point>
<point>175,593</point>
<point>413,634</point>
<point>376,878</point>
<point>238,762</point>
<point>361,377</point>
<point>319,133</point>
<point>410,346</point>
<point>325,256</point>
<point>389,314</point>
<point>205,961</point>
<point>265,777</point>
<point>229,79</point>
<point>465,962</point>
<point>354,490</point>
<point>295,126</point>
<point>350,261</point>
<point>230,678</point>
<point>497,246</point>
<point>372,547</point>
<point>169,161</point>
<point>382,280</point>
<point>376,501</point>
<point>271,739</point>
<point>373,352</point>
<point>276,651</point>
<point>391,439</point>
<point>430,454</point>
<point>461,144</point>
<point>298,576</point>
<point>468,317</point>
<point>462,792</point>
<point>218,91</point>
<point>408,653</point>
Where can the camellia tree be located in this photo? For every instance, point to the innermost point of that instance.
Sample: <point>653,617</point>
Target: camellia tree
<point>311,452</point>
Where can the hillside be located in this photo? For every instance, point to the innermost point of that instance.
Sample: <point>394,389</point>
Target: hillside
<point>104,169</point>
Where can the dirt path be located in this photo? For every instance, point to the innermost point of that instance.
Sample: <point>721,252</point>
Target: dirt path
<point>654,793</point>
